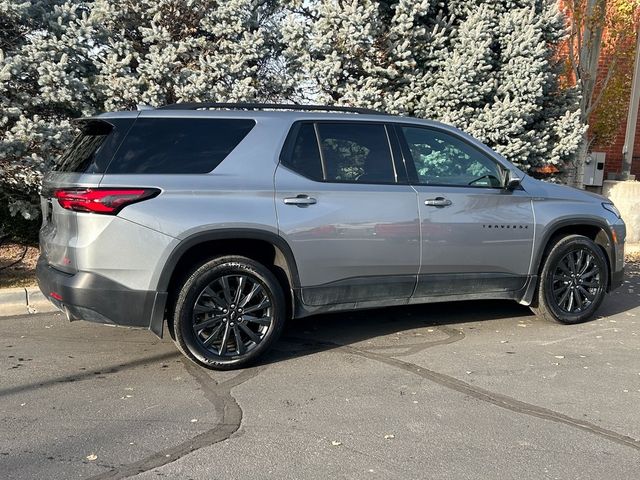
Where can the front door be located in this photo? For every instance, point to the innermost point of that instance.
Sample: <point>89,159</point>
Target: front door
<point>348,214</point>
<point>476,235</point>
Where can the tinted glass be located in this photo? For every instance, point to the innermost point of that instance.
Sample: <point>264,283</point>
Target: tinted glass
<point>442,159</point>
<point>178,145</point>
<point>94,146</point>
<point>355,152</point>
<point>305,156</point>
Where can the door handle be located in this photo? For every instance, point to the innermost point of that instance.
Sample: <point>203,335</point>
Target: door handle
<point>300,200</point>
<point>437,202</point>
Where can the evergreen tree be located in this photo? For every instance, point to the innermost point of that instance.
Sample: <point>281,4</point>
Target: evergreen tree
<point>488,68</point>
<point>44,70</point>
<point>164,51</point>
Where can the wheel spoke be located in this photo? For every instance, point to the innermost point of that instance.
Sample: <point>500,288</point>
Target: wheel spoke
<point>266,321</point>
<point>586,265</point>
<point>226,289</point>
<point>215,298</point>
<point>238,295</point>
<point>262,305</point>
<point>586,294</point>
<point>570,302</point>
<point>250,333</point>
<point>590,273</point>
<point>240,348</point>
<point>572,263</point>
<point>564,267</point>
<point>225,339</point>
<point>215,334</point>
<point>250,295</point>
<point>578,299</point>
<point>560,289</point>
<point>207,323</point>
<point>203,309</point>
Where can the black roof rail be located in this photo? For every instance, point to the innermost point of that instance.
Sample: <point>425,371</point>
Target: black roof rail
<point>267,106</point>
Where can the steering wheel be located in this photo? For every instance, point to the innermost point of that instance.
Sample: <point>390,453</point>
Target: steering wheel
<point>489,176</point>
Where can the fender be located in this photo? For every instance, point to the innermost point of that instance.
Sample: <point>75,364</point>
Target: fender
<point>553,228</point>
<point>157,318</point>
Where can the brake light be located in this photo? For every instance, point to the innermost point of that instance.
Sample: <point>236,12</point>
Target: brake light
<point>108,201</point>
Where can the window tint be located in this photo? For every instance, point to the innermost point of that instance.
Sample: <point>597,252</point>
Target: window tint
<point>355,152</point>
<point>94,146</point>
<point>305,156</point>
<point>443,159</point>
<point>178,145</point>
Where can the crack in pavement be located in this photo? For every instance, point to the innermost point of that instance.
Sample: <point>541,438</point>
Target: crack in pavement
<point>497,399</point>
<point>228,410</point>
<point>453,335</point>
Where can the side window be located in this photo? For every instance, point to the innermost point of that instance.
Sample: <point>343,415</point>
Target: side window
<point>351,152</point>
<point>442,159</point>
<point>178,145</point>
<point>355,152</point>
<point>304,157</point>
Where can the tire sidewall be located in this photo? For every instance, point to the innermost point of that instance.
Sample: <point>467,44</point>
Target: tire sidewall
<point>203,276</point>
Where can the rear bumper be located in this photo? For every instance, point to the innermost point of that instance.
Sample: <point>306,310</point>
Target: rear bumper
<point>91,297</point>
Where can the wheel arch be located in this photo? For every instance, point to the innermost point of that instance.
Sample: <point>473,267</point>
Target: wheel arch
<point>265,247</point>
<point>594,229</point>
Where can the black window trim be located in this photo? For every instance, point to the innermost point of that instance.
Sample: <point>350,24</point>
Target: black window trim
<point>397,160</point>
<point>410,165</point>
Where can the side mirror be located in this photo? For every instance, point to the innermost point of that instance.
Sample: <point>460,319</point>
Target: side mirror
<point>512,182</point>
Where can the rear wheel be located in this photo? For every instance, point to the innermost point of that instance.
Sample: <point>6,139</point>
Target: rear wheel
<point>573,281</point>
<point>229,312</point>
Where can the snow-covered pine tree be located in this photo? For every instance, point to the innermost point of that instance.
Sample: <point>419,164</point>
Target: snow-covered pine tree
<point>164,51</point>
<point>44,72</point>
<point>488,68</point>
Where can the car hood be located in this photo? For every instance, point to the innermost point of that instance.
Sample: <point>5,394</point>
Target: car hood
<point>539,188</point>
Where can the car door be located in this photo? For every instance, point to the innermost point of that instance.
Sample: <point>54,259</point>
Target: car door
<point>348,214</point>
<point>476,235</point>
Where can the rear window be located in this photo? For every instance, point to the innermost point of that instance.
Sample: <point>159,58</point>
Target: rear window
<point>178,145</point>
<point>94,146</point>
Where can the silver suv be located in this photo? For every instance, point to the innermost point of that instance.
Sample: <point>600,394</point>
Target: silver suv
<point>227,219</point>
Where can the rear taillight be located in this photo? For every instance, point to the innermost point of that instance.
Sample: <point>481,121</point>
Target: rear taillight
<point>108,201</point>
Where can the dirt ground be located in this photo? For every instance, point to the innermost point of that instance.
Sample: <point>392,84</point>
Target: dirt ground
<point>22,274</point>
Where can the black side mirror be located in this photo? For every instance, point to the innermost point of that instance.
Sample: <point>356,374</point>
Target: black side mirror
<point>512,182</point>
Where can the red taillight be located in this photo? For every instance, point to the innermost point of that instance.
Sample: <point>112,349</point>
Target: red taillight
<point>56,296</point>
<point>102,200</point>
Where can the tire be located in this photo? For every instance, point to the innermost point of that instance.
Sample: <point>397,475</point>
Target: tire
<point>240,306</point>
<point>573,281</point>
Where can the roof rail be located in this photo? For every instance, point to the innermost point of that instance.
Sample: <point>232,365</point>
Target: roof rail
<point>267,106</point>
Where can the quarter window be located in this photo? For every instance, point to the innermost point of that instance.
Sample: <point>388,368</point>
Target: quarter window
<point>178,145</point>
<point>442,159</point>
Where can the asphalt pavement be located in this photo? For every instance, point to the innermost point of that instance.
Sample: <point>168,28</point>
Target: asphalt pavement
<point>442,391</point>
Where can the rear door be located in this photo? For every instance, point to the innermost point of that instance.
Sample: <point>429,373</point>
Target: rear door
<point>477,236</point>
<point>347,212</point>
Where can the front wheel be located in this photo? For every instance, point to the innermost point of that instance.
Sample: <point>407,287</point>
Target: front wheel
<point>573,281</point>
<point>229,311</point>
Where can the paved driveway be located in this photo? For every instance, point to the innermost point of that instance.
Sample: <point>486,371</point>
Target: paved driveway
<point>469,390</point>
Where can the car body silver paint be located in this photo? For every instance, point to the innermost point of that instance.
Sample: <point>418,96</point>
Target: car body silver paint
<point>354,230</point>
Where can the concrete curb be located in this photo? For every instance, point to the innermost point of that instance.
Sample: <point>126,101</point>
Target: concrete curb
<point>20,301</point>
